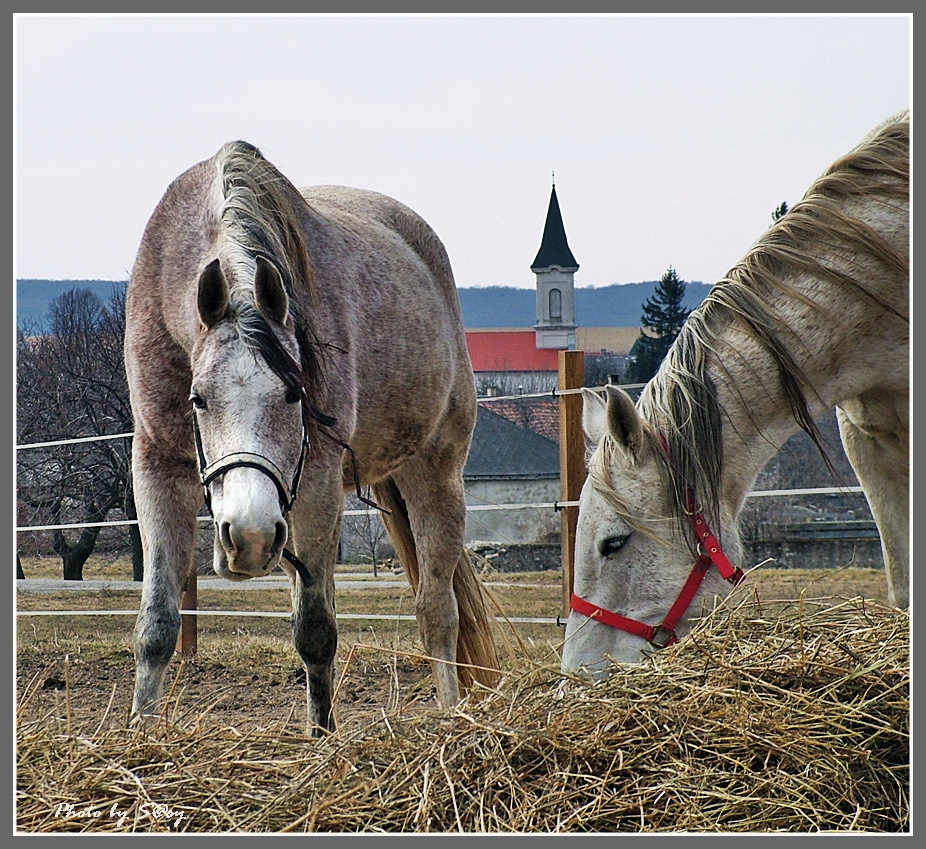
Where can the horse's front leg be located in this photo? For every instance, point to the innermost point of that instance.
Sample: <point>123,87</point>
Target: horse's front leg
<point>167,497</point>
<point>314,627</point>
<point>881,463</point>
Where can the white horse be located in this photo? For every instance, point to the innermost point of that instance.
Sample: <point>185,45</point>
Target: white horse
<point>815,316</point>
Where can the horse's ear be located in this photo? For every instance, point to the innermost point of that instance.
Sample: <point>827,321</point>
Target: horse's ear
<point>212,295</point>
<point>269,292</point>
<point>594,422</point>
<point>624,422</point>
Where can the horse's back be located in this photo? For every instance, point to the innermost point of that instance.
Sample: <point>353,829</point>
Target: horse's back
<point>379,219</point>
<point>385,301</point>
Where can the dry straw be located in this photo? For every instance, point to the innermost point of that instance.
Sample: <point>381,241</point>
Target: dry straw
<point>788,718</point>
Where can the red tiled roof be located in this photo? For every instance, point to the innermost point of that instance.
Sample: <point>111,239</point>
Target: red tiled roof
<point>509,350</point>
<point>541,415</point>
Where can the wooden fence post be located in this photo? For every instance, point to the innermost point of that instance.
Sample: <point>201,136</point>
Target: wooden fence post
<point>571,459</point>
<point>186,639</point>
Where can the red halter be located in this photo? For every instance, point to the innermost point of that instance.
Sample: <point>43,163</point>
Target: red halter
<point>663,635</point>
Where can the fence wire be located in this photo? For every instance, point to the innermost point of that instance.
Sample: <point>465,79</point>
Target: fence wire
<point>543,505</point>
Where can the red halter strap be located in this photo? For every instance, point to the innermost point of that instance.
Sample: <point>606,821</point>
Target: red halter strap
<point>663,635</point>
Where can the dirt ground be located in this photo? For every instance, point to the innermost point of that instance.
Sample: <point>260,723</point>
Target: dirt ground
<point>242,678</point>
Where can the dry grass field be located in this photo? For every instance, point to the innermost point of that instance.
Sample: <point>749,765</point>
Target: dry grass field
<point>74,685</point>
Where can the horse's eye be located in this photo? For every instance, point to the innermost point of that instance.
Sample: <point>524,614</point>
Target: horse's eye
<point>611,545</point>
<point>198,401</point>
<point>293,397</point>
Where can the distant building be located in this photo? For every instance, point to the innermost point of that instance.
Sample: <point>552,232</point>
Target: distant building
<point>540,415</point>
<point>514,458</point>
<point>508,362</point>
<point>526,360</point>
<point>509,463</point>
<point>555,268</point>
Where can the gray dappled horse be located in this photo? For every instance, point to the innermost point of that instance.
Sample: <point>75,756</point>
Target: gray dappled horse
<point>281,347</point>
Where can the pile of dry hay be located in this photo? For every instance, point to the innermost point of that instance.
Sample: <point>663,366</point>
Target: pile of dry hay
<point>792,720</point>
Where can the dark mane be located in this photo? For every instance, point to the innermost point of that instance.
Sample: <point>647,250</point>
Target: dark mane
<point>258,218</point>
<point>680,402</point>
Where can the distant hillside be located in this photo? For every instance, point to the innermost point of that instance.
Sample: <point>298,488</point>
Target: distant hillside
<point>34,296</point>
<point>618,305</point>
<point>621,304</point>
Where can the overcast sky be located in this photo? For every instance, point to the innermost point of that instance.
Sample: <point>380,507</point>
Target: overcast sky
<point>672,138</point>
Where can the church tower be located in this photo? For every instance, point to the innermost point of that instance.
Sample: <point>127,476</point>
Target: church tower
<point>555,267</point>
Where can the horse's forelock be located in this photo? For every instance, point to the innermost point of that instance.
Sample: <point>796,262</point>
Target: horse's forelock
<point>259,336</point>
<point>258,218</point>
<point>601,464</point>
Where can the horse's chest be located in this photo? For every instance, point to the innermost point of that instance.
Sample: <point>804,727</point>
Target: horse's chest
<point>879,413</point>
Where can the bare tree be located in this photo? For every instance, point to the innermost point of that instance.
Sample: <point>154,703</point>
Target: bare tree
<point>506,383</point>
<point>365,535</point>
<point>604,368</point>
<point>71,384</point>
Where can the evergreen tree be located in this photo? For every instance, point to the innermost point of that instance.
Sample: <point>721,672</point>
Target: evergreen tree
<point>662,320</point>
<point>780,211</point>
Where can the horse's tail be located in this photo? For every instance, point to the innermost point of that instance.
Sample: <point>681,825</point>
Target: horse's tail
<point>477,655</point>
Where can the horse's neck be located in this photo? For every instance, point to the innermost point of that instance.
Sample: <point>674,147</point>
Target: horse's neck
<point>753,432</point>
<point>842,319</point>
<point>757,414</point>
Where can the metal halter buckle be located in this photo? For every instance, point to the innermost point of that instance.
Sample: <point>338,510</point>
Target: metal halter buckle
<point>662,637</point>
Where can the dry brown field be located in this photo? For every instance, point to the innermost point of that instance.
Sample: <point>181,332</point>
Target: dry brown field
<point>245,668</point>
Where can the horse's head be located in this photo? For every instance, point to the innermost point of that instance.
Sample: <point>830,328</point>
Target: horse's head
<point>632,556</point>
<point>247,408</point>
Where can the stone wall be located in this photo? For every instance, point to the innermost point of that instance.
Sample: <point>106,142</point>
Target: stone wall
<point>809,545</point>
<point>521,558</point>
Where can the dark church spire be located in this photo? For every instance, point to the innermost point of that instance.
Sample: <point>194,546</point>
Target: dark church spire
<point>554,249</point>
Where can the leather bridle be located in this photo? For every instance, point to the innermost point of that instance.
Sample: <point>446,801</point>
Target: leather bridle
<point>663,634</point>
<point>208,472</point>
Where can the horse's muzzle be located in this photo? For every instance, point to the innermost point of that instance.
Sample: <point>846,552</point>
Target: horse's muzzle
<point>250,552</point>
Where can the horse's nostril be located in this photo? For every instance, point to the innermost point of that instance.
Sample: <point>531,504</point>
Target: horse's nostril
<point>243,541</point>
<point>280,541</point>
<point>225,537</point>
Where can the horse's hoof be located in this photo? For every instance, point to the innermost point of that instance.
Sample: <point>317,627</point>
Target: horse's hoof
<point>143,720</point>
<point>154,724</point>
<point>319,731</point>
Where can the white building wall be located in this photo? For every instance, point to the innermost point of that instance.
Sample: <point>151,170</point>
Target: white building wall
<point>528,526</point>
